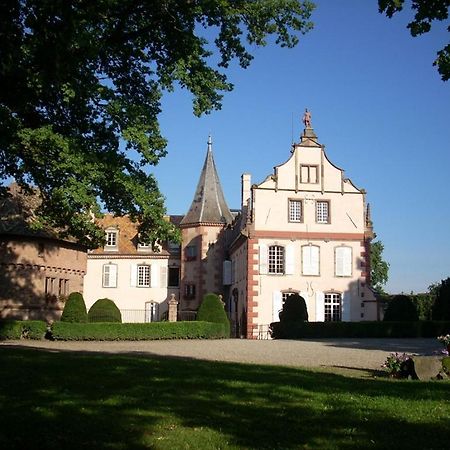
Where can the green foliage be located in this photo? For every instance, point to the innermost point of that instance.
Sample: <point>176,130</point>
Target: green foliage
<point>426,11</point>
<point>74,309</point>
<point>212,310</point>
<point>104,310</point>
<point>401,308</point>
<point>441,307</point>
<point>294,309</point>
<point>136,331</point>
<point>78,78</point>
<point>379,269</point>
<point>322,330</point>
<point>10,329</point>
<point>22,329</point>
<point>294,312</point>
<point>424,304</point>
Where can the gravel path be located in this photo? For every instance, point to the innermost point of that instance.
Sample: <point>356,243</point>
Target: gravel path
<point>345,353</point>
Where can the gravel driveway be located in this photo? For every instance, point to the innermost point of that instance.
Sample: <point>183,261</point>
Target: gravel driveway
<point>346,353</point>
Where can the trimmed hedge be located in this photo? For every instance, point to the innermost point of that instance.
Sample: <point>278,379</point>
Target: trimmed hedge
<point>65,331</point>
<point>22,329</point>
<point>104,310</point>
<point>318,330</point>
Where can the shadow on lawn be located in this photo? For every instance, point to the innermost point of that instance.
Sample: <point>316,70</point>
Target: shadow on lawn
<point>76,400</point>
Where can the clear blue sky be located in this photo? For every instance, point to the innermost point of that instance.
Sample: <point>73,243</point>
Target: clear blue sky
<point>378,105</point>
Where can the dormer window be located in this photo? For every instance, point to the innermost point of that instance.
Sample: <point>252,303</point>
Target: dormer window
<point>112,238</point>
<point>144,246</point>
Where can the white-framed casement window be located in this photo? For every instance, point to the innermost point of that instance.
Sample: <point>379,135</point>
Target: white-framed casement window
<point>143,276</point>
<point>276,259</point>
<point>144,247</point>
<point>112,239</point>
<point>343,261</point>
<point>109,275</point>
<point>310,260</point>
<point>309,174</point>
<point>295,211</point>
<point>323,211</point>
<point>332,307</point>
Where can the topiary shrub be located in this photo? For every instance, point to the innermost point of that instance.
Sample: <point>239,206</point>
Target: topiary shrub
<point>212,310</point>
<point>441,307</point>
<point>293,314</point>
<point>401,309</point>
<point>104,310</point>
<point>294,309</point>
<point>74,309</point>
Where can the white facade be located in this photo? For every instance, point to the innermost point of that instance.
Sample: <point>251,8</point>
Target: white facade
<point>306,232</point>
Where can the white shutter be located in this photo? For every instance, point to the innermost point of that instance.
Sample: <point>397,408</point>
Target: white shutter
<point>304,294</point>
<point>226,273</point>
<point>163,276</point>
<point>133,275</point>
<point>346,307</point>
<point>310,260</point>
<point>263,259</point>
<point>290,260</point>
<point>343,261</point>
<point>105,275</point>
<point>154,276</point>
<point>277,305</point>
<point>315,263</point>
<point>112,276</point>
<point>320,306</point>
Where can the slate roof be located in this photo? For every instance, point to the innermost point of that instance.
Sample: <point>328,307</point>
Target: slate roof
<point>208,205</point>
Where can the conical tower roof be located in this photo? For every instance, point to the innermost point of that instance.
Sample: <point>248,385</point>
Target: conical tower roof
<point>208,205</point>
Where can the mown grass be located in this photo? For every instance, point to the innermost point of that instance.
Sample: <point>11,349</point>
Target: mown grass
<point>62,400</point>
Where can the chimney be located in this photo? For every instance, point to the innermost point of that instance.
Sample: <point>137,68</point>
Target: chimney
<point>246,187</point>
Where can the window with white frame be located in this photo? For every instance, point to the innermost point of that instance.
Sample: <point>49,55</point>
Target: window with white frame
<point>332,305</point>
<point>322,212</point>
<point>310,260</point>
<point>111,239</point>
<point>343,261</point>
<point>109,275</point>
<point>144,246</point>
<point>143,276</point>
<point>276,259</point>
<point>286,294</point>
<point>295,210</point>
<point>309,174</point>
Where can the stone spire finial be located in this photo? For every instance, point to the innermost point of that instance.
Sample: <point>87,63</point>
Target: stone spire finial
<point>209,143</point>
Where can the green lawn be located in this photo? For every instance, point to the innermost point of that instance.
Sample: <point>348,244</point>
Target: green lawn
<point>57,400</point>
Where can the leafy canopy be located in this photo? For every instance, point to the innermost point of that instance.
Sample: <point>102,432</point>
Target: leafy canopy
<point>426,12</point>
<point>80,89</point>
<point>379,269</point>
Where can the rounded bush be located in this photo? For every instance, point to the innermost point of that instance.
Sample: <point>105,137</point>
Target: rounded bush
<point>74,309</point>
<point>104,310</point>
<point>401,309</point>
<point>294,309</point>
<point>212,310</point>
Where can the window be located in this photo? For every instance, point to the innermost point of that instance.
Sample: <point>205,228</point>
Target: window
<point>295,210</point>
<point>174,247</point>
<point>343,261</point>
<point>332,307</point>
<point>50,288</point>
<point>286,294</point>
<point>111,239</point>
<point>110,275</point>
<point>276,259</point>
<point>191,253</point>
<point>322,212</point>
<point>143,276</point>
<point>174,276</point>
<point>63,288</point>
<point>310,260</point>
<point>309,174</point>
<point>143,246</point>
<point>189,291</point>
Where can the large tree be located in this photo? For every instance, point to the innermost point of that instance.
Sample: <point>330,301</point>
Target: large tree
<point>80,89</point>
<point>426,11</point>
